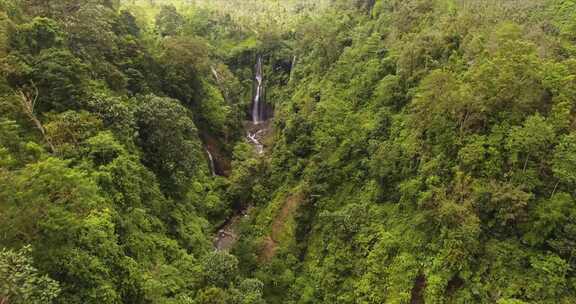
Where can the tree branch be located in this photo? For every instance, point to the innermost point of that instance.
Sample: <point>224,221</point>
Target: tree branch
<point>28,102</point>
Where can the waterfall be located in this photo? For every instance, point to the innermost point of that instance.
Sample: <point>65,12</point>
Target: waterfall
<point>253,137</point>
<point>258,106</point>
<point>212,164</point>
<point>260,110</point>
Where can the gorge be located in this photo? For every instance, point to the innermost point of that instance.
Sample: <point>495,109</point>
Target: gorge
<point>228,235</point>
<point>294,151</point>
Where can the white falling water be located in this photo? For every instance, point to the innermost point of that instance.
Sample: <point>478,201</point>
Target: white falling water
<point>257,105</point>
<point>253,137</point>
<point>212,165</point>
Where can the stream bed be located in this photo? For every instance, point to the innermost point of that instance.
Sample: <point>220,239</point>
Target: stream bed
<point>227,235</point>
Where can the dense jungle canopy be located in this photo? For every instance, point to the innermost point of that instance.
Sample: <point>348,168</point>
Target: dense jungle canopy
<point>295,151</point>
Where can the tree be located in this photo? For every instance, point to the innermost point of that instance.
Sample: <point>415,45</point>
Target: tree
<point>37,35</point>
<point>28,103</point>
<point>184,59</point>
<point>61,80</point>
<point>220,269</point>
<point>564,162</point>
<point>169,22</point>
<point>169,139</point>
<point>21,282</point>
<point>67,131</point>
<point>533,139</point>
<point>212,295</point>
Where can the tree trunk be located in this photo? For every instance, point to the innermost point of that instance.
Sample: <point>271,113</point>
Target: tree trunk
<point>28,103</point>
<point>525,163</point>
<point>554,191</point>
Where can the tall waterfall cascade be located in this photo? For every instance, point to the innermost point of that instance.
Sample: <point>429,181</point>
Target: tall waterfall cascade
<point>258,104</point>
<point>260,111</point>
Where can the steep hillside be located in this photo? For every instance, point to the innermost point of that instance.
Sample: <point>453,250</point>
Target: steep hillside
<point>365,151</point>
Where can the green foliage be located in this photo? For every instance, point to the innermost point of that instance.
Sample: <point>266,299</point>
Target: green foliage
<point>169,22</point>
<point>39,34</point>
<point>434,137</point>
<point>60,78</point>
<point>421,151</point>
<point>564,161</point>
<point>220,269</point>
<point>68,130</point>
<point>168,138</point>
<point>115,213</point>
<point>21,282</point>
